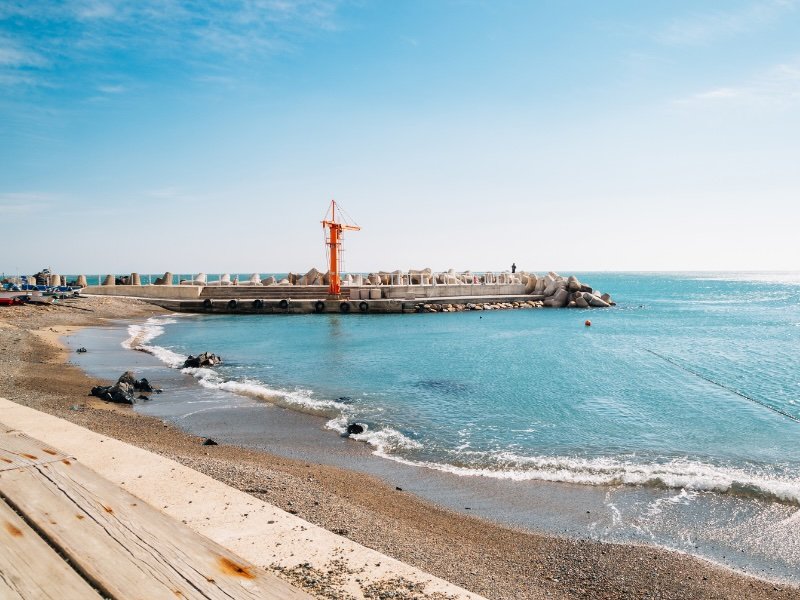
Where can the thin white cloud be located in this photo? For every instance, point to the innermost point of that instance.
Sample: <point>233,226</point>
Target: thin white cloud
<point>719,94</point>
<point>104,33</point>
<point>17,203</point>
<point>776,86</point>
<point>112,89</point>
<point>13,55</point>
<point>702,28</point>
<point>94,9</point>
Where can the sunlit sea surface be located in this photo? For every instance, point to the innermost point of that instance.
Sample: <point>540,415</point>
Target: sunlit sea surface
<point>689,387</point>
<point>692,381</point>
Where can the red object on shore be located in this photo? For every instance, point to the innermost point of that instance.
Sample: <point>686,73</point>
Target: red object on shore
<point>588,323</point>
<point>9,301</point>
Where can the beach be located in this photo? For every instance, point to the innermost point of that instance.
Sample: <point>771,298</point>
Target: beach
<point>489,559</point>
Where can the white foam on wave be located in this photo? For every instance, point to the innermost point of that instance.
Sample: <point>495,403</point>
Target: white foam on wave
<point>385,441</point>
<point>676,474</point>
<point>140,334</point>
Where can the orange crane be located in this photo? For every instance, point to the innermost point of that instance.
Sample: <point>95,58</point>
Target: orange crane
<point>333,243</point>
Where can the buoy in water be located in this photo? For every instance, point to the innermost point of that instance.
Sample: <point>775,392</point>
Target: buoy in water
<point>588,323</point>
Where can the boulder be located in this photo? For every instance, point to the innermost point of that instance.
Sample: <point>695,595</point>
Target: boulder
<point>595,300</point>
<point>531,282</point>
<point>580,302</point>
<point>142,385</point>
<point>313,277</point>
<point>573,285</point>
<point>355,429</point>
<point>127,378</point>
<point>269,280</point>
<point>205,359</point>
<point>122,392</point>
<point>552,288</point>
<point>560,298</point>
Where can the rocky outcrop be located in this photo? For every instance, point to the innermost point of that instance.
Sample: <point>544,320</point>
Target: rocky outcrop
<point>123,391</point>
<point>205,359</point>
<point>432,307</point>
<point>355,428</point>
<point>559,292</point>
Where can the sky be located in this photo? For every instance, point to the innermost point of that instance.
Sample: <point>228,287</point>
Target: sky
<point>154,135</point>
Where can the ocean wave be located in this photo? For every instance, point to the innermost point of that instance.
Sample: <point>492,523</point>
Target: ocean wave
<point>387,442</point>
<point>680,474</point>
<point>140,334</point>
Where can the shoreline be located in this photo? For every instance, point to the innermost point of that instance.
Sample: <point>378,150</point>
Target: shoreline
<point>493,560</point>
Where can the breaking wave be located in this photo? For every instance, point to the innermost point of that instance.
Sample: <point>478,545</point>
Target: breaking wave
<point>680,474</point>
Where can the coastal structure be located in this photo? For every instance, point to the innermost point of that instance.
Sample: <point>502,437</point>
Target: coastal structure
<point>378,292</point>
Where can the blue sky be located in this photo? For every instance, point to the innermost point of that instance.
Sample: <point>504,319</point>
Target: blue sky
<point>153,135</point>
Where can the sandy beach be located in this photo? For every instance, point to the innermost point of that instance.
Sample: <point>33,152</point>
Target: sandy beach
<point>495,561</point>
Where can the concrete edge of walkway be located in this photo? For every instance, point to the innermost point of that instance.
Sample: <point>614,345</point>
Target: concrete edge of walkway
<point>255,530</point>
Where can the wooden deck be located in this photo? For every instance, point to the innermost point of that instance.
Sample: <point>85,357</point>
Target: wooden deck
<point>66,532</point>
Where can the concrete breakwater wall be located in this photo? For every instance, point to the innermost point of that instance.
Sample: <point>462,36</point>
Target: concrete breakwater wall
<point>412,291</point>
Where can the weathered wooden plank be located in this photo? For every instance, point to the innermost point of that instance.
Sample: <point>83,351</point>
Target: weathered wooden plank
<point>30,569</point>
<point>125,546</point>
<point>18,450</point>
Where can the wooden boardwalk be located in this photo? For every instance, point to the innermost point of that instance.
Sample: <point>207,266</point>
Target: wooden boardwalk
<point>66,532</point>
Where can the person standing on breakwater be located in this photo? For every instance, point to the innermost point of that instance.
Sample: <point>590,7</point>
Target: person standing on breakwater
<point>513,267</point>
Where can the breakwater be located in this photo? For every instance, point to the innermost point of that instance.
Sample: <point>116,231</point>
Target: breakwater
<point>379,292</point>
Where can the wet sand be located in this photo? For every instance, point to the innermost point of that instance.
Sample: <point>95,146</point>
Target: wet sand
<point>492,560</point>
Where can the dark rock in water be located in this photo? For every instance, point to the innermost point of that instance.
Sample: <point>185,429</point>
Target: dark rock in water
<point>355,429</point>
<point>127,377</point>
<point>344,399</point>
<point>123,391</point>
<point>80,350</point>
<point>142,385</point>
<point>209,442</point>
<point>142,397</point>
<point>206,359</point>
<point>398,488</point>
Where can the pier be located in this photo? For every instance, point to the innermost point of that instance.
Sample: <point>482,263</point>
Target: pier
<point>376,293</point>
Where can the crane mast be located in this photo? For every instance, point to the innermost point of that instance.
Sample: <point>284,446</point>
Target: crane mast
<point>333,244</point>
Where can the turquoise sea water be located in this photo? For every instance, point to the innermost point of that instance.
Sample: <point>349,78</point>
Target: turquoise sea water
<point>691,383</point>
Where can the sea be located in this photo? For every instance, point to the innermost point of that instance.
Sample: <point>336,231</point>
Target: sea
<point>673,420</point>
